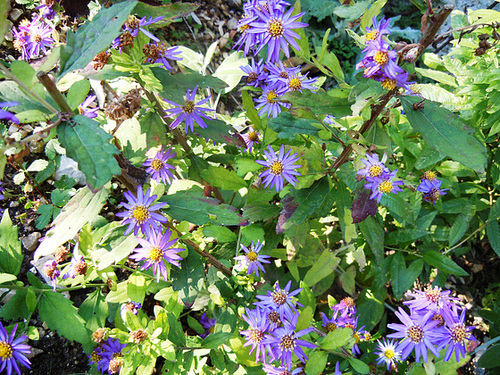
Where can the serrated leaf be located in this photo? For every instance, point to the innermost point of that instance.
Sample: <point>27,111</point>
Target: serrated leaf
<point>443,131</point>
<point>88,144</point>
<point>221,234</point>
<point>443,263</point>
<point>223,178</point>
<point>83,208</point>
<point>288,126</point>
<point>192,206</point>
<point>153,127</point>
<point>61,316</point>
<point>11,255</point>
<point>46,212</point>
<point>16,307</point>
<point>219,131</point>
<point>336,339</point>
<point>93,36</point>
<point>94,310</point>
<point>188,280</point>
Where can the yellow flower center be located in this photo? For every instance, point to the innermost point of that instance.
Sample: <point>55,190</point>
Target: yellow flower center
<point>277,168</point>
<point>189,107</point>
<point>429,176</point>
<point>459,333</point>
<point>295,84</point>
<point>279,298</point>
<point>389,354</point>
<point>257,335</point>
<point>155,254</point>
<point>95,357</point>
<point>245,27</point>
<point>375,170</point>
<point>372,35</point>
<point>415,334</point>
<point>5,350</point>
<point>252,256</point>
<point>157,164</point>
<point>330,327</point>
<point>389,84</point>
<point>132,22</point>
<point>356,337</point>
<point>271,97</point>
<point>140,214</point>
<point>275,28</point>
<point>253,136</point>
<point>287,342</point>
<point>37,38</point>
<point>385,186</point>
<point>381,58</point>
<point>433,295</point>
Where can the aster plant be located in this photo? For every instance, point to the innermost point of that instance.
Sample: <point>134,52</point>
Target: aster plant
<point>281,167</point>
<point>252,260</point>
<point>158,167</point>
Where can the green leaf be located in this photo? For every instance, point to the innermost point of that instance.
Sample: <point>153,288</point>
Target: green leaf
<point>374,11</point>
<point>245,165</point>
<point>230,72</point>
<point>136,287</point>
<point>336,339</point>
<point>11,255</point>
<point>78,93</point>
<point>324,266</point>
<point>176,86</point>
<point>4,22</point>
<point>441,77</point>
<point>221,234</point>
<point>402,278</point>
<point>16,307</point>
<point>493,228</point>
<point>443,131</point>
<point>288,126</point>
<point>192,206</point>
<point>318,9</point>
<point>188,280</point>
<point>319,103</point>
<point>6,277</point>
<point>490,358</point>
<point>153,127</point>
<point>169,11</point>
<point>352,12</point>
<point>93,37</point>
<point>175,333</point>
<point>214,340</point>
<point>83,208</point>
<point>250,111</point>
<point>117,247</point>
<point>94,310</point>
<point>443,263</point>
<point>316,362</point>
<point>46,212</point>
<point>88,144</point>
<point>219,131</point>
<point>461,224</point>
<point>358,365</point>
<point>374,235</point>
<point>61,316</point>
<point>223,178</point>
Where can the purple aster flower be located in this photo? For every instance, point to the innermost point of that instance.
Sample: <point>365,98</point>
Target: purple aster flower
<point>155,251</point>
<point>417,332</point>
<point>250,137</point>
<point>12,351</point>
<point>373,166</point>
<point>258,323</point>
<point>6,115</point>
<point>33,38</point>
<point>78,265</point>
<point>281,166</point>
<point>357,335</point>
<point>158,166</point>
<point>133,25</point>
<point>247,39</point>
<point>282,370</point>
<point>273,317</point>
<point>97,359</point>
<point>346,307</point>
<point>131,306</point>
<point>329,324</point>
<point>278,74</point>
<point>111,356</point>
<point>255,73</point>
<point>383,184</point>
<point>1,189</point>
<point>378,29</point>
<point>268,102</point>
<point>84,107</point>
<point>140,214</point>
<point>387,352</point>
<point>429,175</point>
<point>337,369</point>
<point>51,271</point>
<point>159,53</point>
<point>379,61</point>
<point>208,324</point>
<point>189,112</point>
<point>296,82</point>
<point>46,7</point>
<point>252,259</point>
<point>329,119</point>
<point>279,300</point>
<point>285,342</point>
<point>275,29</point>
<point>457,334</point>
<point>432,190</point>
<point>430,299</point>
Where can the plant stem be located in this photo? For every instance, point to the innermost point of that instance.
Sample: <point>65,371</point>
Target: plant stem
<point>53,91</point>
<point>69,289</point>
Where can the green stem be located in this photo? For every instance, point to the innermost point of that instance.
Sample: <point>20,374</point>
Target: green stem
<point>132,270</point>
<point>69,289</point>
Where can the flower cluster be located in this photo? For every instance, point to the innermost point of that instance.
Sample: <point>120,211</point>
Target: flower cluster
<point>78,266</point>
<point>281,166</point>
<point>32,38</point>
<point>12,351</point>
<point>430,185</point>
<point>159,53</point>
<point>380,180</point>
<point>46,8</point>
<point>272,329</point>
<point>252,260</point>
<point>380,61</point>
<point>435,322</point>
<point>130,30</point>
<point>158,167</point>
<point>108,356</point>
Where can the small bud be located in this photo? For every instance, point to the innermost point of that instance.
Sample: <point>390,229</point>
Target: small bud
<point>412,54</point>
<point>138,336</point>
<point>61,254</point>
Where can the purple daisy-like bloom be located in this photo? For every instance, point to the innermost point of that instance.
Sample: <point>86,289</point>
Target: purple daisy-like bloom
<point>430,299</point>
<point>78,265</point>
<point>337,369</point>
<point>6,115</point>
<point>12,351</point>
<point>46,7</point>
<point>279,300</point>
<point>208,324</point>
<point>158,167</point>
<point>111,356</point>
<point>383,184</point>
<point>247,40</point>
<point>432,190</point>
<point>131,306</point>
<point>159,53</point>
<point>400,80</point>
<point>387,353</point>
<point>97,359</point>
<point>51,271</point>
<point>84,107</point>
<point>281,166</point>
<point>296,82</point>
<point>273,317</point>
<point>329,324</point>
<point>329,119</point>
<point>250,137</point>
<point>378,29</point>
<point>190,112</point>
<point>275,29</point>
<point>34,38</point>
<point>373,166</point>
<point>140,214</point>
<point>417,332</point>
<point>457,334</point>
<point>269,103</point>
<point>278,74</point>
<point>285,342</point>
<point>258,323</point>
<point>252,259</point>
<point>155,251</point>
<point>282,370</point>
<point>380,60</point>
<point>133,25</point>
<point>346,307</point>
<point>255,73</point>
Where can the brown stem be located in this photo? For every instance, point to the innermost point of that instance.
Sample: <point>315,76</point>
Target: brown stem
<point>215,262</point>
<point>435,24</point>
<point>53,91</point>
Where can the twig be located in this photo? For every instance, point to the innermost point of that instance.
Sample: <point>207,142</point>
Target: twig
<point>53,91</point>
